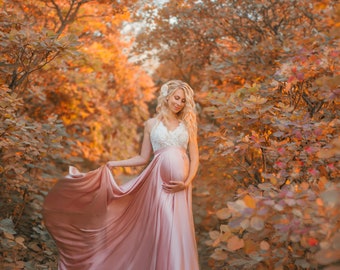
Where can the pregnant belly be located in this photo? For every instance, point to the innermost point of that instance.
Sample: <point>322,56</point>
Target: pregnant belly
<point>174,165</point>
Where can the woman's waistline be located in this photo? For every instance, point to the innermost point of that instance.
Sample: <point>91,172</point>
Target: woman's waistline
<point>164,149</point>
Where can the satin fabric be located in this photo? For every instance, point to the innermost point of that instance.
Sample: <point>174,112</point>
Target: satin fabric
<point>99,225</point>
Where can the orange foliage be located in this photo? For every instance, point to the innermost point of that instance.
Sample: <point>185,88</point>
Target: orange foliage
<point>68,92</point>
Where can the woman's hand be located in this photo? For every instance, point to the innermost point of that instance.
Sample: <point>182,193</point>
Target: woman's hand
<point>111,164</point>
<point>174,186</point>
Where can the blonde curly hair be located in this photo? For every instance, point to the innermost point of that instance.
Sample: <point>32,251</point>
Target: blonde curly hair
<point>187,114</point>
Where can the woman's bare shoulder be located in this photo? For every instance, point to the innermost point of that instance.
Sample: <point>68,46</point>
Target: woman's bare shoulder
<point>150,123</point>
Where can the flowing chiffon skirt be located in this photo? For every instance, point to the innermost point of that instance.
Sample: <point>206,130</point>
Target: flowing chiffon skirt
<point>99,225</point>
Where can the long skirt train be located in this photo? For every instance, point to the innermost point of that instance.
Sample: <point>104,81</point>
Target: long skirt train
<point>99,225</point>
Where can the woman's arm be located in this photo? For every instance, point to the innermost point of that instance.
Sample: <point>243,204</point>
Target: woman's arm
<point>175,186</point>
<point>144,156</point>
<point>194,161</point>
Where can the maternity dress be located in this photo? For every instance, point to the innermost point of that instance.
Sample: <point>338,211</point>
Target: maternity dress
<point>100,225</point>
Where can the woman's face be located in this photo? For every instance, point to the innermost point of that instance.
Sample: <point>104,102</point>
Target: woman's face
<point>176,101</point>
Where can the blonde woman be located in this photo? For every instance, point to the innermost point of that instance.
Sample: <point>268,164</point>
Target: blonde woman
<point>147,223</point>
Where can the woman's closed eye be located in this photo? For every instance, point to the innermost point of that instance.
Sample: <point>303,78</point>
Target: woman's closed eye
<point>178,98</point>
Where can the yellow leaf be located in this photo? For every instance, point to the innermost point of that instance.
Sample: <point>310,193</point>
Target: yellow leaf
<point>249,201</point>
<point>273,180</point>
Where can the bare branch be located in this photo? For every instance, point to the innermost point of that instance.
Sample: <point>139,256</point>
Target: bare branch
<point>57,8</point>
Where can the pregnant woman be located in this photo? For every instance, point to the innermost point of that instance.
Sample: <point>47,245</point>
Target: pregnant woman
<point>145,224</point>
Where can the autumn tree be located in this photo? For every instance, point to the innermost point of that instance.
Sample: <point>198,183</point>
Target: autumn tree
<point>100,89</point>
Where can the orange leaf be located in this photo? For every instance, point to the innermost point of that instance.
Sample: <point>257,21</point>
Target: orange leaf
<point>249,201</point>
<point>235,243</point>
<point>223,213</point>
<point>219,255</point>
<point>264,245</point>
<point>214,234</point>
<point>250,246</point>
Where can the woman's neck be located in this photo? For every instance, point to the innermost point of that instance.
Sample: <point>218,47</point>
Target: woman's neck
<point>172,116</point>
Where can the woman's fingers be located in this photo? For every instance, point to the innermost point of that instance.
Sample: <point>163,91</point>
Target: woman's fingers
<point>174,186</point>
<point>109,164</point>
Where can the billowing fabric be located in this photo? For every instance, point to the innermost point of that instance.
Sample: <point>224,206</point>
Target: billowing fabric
<point>99,225</point>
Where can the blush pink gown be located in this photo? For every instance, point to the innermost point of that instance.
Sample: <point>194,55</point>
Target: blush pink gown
<point>99,225</point>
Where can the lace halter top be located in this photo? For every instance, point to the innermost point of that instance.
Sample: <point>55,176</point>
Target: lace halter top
<point>161,137</point>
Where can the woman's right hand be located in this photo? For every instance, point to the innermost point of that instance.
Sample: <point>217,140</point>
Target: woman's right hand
<point>110,164</point>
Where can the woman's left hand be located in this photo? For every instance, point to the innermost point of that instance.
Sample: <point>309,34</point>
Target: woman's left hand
<point>174,186</point>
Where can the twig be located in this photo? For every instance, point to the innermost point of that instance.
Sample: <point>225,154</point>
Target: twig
<point>22,208</point>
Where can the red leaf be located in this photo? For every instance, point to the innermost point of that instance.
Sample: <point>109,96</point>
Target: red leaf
<point>313,172</point>
<point>312,241</point>
<point>310,149</point>
<point>281,150</point>
<point>280,164</point>
<point>291,79</point>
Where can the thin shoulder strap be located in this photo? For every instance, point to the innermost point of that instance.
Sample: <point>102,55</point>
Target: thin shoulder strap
<point>153,123</point>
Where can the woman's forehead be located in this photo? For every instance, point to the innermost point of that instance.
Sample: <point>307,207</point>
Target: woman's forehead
<point>179,92</point>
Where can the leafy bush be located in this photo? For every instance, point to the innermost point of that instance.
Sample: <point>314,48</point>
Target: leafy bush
<point>295,227</point>
<point>27,148</point>
<point>278,139</point>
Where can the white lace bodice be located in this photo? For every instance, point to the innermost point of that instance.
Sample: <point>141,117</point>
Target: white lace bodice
<point>161,137</point>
